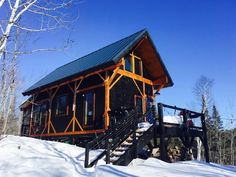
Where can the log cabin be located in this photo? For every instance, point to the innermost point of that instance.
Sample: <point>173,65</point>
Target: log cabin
<point>76,99</point>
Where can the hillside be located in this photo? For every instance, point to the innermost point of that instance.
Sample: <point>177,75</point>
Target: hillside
<point>27,157</point>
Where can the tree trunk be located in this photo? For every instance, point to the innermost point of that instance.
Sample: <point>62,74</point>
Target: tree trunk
<point>199,148</point>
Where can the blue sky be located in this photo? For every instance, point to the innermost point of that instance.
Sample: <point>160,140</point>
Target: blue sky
<point>193,37</point>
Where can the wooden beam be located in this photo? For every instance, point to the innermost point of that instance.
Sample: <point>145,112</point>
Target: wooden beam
<point>81,77</point>
<point>110,87</point>
<point>90,88</point>
<point>101,77</point>
<point>69,133</point>
<point>51,97</point>
<point>113,76</point>
<point>138,87</point>
<point>132,62</point>
<point>107,101</point>
<point>134,76</point>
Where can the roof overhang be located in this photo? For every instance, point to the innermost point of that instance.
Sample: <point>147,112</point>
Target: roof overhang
<point>152,61</point>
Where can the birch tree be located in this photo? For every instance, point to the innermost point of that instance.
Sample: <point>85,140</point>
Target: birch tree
<point>202,91</point>
<point>27,17</point>
<point>36,16</point>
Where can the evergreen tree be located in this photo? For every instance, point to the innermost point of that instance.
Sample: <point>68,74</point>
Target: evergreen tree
<point>216,127</point>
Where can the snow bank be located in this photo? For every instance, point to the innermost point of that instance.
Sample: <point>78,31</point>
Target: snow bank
<point>154,167</point>
<point>28,157</point>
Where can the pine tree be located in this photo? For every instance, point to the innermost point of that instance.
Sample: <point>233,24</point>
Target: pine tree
<point>216,128</point>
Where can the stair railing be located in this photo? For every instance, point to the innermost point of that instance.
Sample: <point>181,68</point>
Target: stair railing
<point>112,138</point>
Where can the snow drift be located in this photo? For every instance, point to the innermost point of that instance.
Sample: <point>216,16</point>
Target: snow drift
<point>28,157</point>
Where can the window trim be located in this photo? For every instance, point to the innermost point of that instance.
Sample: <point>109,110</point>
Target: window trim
<point>56,109</point>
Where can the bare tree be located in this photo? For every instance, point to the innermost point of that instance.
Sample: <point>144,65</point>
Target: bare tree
<point>202,91</point>
<point>35,16</point>
<point>20,18</point>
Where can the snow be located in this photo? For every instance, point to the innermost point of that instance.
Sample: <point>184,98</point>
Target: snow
<point>28,157</point>
<point>173,119</point>
<point>143,126</point>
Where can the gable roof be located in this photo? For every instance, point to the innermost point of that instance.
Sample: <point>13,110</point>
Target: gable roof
<point>103,57</point>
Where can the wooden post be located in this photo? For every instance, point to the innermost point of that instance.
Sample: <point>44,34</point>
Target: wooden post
<point>86,160</point>
<point>31,114</point>
<point>108,151</point>
<point>107,101</point>
<point>205,143</point>
<point>163,152</point>
<point>155,126</point>
<point>185,131</point>
<point>134,136</point>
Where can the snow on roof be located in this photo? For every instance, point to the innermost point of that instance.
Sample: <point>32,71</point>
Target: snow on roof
<point>28,157</point>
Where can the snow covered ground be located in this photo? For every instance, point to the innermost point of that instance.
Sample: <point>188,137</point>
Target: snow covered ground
<point>28,157</point>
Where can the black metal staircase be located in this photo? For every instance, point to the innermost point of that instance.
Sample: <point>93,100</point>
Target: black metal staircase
<point>121,143</point>
<point>125,139</point>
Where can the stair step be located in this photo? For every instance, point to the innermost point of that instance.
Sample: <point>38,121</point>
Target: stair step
<point>126,143</point>
<point>137,134</point>
<point>117,153</point>
<point>141,130</point>
<point>114,158</point>
<point>121,148</point>
<point>129,138</point>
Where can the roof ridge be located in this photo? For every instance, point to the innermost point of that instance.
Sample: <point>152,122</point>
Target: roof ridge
<point>101,48</point>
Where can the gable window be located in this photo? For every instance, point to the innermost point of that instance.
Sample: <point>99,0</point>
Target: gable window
<point>138,66</point>
<point>61,105</point>
<point>134,64</point>
<point>89,108</point>
<point>128,63</point>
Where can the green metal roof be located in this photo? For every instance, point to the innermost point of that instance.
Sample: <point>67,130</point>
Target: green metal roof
<point>105,56</point>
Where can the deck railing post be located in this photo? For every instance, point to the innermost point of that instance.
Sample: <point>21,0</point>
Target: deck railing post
<point>185,128</point>
<point>205,143</point>
<point>86,160</point>
<point>155,125</point>
<point>134,136</point>
<point>108,150</point>
<point>163,152</point>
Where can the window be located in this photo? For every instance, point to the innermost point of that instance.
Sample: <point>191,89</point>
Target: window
<point>36,115</point>
<point>89,108</point>
<point>128,64</point>
<point>40,115</point>
<point>138,66</point>
<point>134,64</point>
<point>61,105</point>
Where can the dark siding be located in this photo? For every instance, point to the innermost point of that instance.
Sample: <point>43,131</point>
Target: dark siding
<point>122,94</point>
<point>148,90</point>
<point>60,122</point>
<point>99,108</point>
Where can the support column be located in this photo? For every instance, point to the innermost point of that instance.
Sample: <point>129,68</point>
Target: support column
<point>107,101</point>
<point>162,133</point>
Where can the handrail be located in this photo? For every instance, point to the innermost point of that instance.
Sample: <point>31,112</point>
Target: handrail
<point>196,114</point>
<point>113,137</point>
